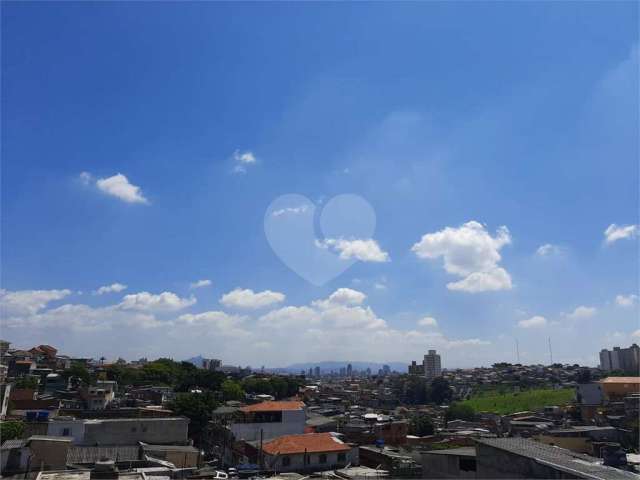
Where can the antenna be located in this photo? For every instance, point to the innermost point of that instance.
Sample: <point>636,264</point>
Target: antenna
<point>550,351</point>
<point>517,350</point>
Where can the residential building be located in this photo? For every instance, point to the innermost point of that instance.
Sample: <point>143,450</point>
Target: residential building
<point>616,388</point>
<point>449,463</point>
<point>211,364</point>
<point>310,452</point>
<point>269,419</point>
<point>432,366</point>
<point>121,431</point>
<point>625,359</point>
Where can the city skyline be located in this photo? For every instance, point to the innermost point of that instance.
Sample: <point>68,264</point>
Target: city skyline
<point>494,155</point>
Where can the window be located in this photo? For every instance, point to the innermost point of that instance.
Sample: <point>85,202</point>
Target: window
<point>342,457</point>
<point>66,432</point>
<point>286,461</point>
<point>322,458</point>
<point>467,464</point>
<point>134,429</point>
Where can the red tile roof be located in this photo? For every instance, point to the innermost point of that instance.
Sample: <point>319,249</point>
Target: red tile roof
<point>272,407</point>
<point>309,442</point>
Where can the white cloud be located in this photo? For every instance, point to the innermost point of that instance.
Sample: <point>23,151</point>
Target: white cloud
<point>614,232</point>
<point>221,322</point>
<point>626,300</point>
<point>342,296</point>
<point>250,300</point>
<point>290,317</point>
<point>636,334</point>
<point>118,186</point>
<point>163,302</point>
<point>468,251</point>
<point>428,322</point>
<point>200,283</point>
<point>114,287</point>
<point>243,160</point>
<point>533,322</point>
<point>290,210</point>
<point>86,178</point>
<point>366,250</point>
<point>28,302</point>
<point>582,312</point>
<point>548,250</point>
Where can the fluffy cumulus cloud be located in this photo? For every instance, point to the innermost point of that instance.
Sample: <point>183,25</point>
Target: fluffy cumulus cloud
<point>614,232</point>
<point>28,302</point>
<point>163,302</point>
<point>247,299</point>
<point>342,296</point>
<point>365,250</point>
<point>533,322</point>
<point>636,334</point>
<point>582,312</point>
<point>200,283</point>
<point>117,186</point>
<point>626,300</point>
<point>113,288</point>
<point>340,325</point>
<point>428,322</point>
<point>470,252</point>
<point>243,160</point>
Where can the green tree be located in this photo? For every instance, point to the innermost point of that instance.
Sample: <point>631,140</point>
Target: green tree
<point>421,425</point>
<point>198,407</point>
<point>10,430</point>
<point>440,391</point>
<point>30,383</point>
<point>232,390</point>
<point>415,390</point>
<point>79,371</point>
<point>460,411</point>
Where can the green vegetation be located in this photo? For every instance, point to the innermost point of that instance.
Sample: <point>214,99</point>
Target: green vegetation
<point>505,403</point>
<point>279,387</point>
<point>421,425</point>
<point>10,430</point>
<point>198,407</point>
<point>30,383</point>
<point>460,411</point>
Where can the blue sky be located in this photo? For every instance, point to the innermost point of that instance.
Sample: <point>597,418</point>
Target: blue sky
<point>448,120</point>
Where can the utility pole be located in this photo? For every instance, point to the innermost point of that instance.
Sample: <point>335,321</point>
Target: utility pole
<point>550,351</point>
<point>517,351</point>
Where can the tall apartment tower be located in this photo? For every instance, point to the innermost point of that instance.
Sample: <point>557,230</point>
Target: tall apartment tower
<point>625,359</point>
<point>432,367</point>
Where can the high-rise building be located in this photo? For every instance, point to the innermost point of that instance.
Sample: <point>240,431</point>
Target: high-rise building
<point>432,367</point>
<point>317,371</point>
<point>211,364</point>
<point>625,359</point>
<point>349,370</point>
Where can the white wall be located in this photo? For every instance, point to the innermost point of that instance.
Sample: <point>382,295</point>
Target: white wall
<point>76,429</point>
<point>293,422</point>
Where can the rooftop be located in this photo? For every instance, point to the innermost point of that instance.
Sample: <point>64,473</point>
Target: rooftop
<point>273,407</point>
<point>460,452</point>
<point>307,442</point>
<point>559,458</point>
<point>620,380</point>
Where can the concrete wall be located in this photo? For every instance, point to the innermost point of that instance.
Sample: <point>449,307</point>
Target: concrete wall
<point>293,422</point>
<point>312,463</point>
<point>496,463</point>
<point>128,431</point>
<point>48,454</point>
<point>444,466</point>
<point>75,429</point>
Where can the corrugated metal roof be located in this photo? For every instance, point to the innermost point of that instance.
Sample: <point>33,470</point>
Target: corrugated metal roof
<point>15,443</point>
<point>92,454</point>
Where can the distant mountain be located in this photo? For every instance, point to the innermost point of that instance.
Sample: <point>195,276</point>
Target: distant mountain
<point>328,366</point>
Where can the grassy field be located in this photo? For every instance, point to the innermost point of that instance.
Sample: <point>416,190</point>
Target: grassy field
<point>521,401</point>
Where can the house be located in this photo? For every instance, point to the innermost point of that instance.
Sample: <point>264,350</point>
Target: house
<point>121,431</point>
<point>101,395</point>
<point>616,388</point>
<point>269,420</point>
<point>38,452</point>
<point>308,452</point>
<point>580,438</point>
